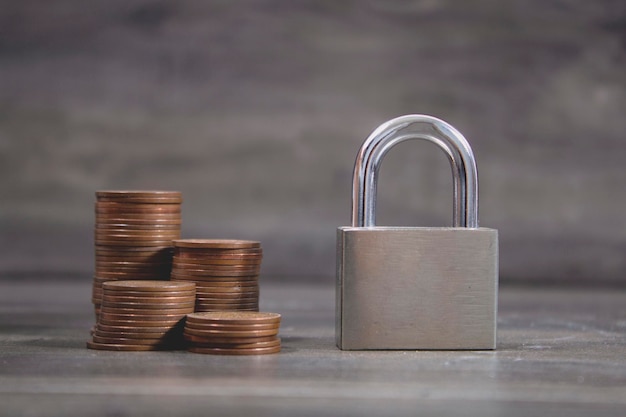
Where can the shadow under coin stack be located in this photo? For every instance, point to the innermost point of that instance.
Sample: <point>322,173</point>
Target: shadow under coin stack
<point>143,315</point>
<point>133,236</point>
<point>233,333</point>
<point>225,272</point>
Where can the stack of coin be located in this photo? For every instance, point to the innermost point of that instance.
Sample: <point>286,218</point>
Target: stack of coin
<point>133,236</point>
<point>233,333</point>
<point>226,272</point>
<point>143,315</point>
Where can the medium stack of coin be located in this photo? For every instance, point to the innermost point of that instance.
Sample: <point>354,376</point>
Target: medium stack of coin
<point>143,315</point>
<point>226,272</point>
<point>133,236</point>
<point>233,333</point>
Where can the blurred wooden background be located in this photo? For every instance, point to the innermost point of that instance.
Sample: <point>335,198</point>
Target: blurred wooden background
<point>255,111</point>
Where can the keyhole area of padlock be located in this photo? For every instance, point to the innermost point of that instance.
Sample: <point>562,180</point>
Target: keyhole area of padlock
<point>415,186</point>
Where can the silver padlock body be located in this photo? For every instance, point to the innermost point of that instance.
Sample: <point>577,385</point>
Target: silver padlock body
<point>416,288</point>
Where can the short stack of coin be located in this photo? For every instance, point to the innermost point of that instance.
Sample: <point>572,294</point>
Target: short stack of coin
<point>143,315</point>
<point>233,333</point>
<point>133,236</point>
<point>225,272</point>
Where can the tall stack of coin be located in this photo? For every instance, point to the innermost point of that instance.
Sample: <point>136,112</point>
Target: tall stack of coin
<point>143,315</point>
<point>226,272</point>
<point>233,333</point>
<point>133,236</point>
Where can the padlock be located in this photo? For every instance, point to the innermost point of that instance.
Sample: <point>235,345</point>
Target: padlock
<point>414,288</point>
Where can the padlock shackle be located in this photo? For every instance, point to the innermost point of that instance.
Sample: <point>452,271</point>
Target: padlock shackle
<point>415,126</point>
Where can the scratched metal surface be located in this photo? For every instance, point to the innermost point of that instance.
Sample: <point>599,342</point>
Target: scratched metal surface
<point>561,353</point>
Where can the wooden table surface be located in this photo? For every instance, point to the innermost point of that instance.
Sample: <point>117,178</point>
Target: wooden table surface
<point>561,352</point>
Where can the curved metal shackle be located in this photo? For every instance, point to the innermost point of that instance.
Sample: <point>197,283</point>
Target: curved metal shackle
<point>415,126</point>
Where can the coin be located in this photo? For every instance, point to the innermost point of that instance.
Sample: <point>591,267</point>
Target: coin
<point>125,276</point>
<point>161,306</point>
<point>214,262</point>
<point>217,253</point>
<point>148,300</point>
<point>145,312</point>
<point>128,242</point>
<point>140,323</point>
<point>128,222</point>
<point>177,276</point>
<point>216,243</point>
<point>150,285</point>
<point>139,329</point>
<point>127,348</point>
<point>230,333</point>
<point>208,342</point>
<point>148,295</point>
<point>133,250</point>
<point>129,194</point>
<point>235,327</point>
<point>136,234</point>
<point>234,317</point>
<point>224,351</point>
<point>207,286</point>
<point>214,273</point>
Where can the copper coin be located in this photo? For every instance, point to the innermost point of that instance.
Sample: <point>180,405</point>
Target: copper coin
<point>234,327</point>
<point>227,304</point>
<point>227,295</point>
<point>140,316</point>
<point>229,290</point>
<point>146,311</point>
<point>208,342</point>
<point>138,193</point>
<point>230,340</point>
<point>205,309</point>
<point>127,243</point>
<point>224,340</point>
<point>214,273</point>
<point>137,214</point>
<point>145,335</point>
<point>125,264</point>
<point>140,319</point>
<point>230,333</point>
<point>139,329</point>
<point>234,318</point>
<point>124,348</point>
<point>142,200</point>
<point>108,207</point>
<point>165,307</point>
<point>146,259</point>
<point>208,295</point>
<point>215,278</point>
<point>215,262</point>
<point>146,341</point>
<point>226,307</point>
<point>150,286</point>
<point>126,205</point>
<point>138,323</point>
<point>138,222</point>
<point>224,351</point>
<point>146,269</point>
<point>127,276</point>
<point>217,243</point>
<point>133,251</point>
<point>123,227</point>
<point>145,295</point>
<point>143,219</point>
<point>136,234</point>
<point>247,284</point>
<point>204,252</point>
<point>208,268</point>
<point>149,300</point>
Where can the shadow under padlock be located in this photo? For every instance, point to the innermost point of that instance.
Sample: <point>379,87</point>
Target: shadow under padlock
<point>416,287</point>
